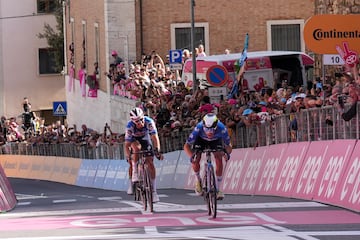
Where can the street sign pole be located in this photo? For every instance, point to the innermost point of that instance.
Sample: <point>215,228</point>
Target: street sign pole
<point>195,83</point>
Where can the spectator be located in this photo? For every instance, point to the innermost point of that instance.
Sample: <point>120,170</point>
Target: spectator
<point>117,60</point>
<point>85,131</point>
<point>353,99</point>
<point>201,50</point>
<point>186,55</point>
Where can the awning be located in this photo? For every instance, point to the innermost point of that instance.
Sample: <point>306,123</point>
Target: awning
<point>307,60</point>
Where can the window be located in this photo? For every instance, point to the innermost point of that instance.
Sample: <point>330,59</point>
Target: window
<point>47,61</point>
<point>285,35</point>
<point>181,36</point>
<point>84,42</point>
<point>72,43</point>
<point>46,6</point>
<point>97,42</point>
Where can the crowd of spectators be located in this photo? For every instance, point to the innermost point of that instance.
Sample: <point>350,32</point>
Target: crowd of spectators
<point>175,107</point>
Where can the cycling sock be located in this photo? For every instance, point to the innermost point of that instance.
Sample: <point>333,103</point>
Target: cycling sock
<point>153,182</point>
<point>219,179</point>
<point>197,174</point>
<point>134,167</point>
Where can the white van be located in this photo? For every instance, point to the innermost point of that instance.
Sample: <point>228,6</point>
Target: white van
<point>263,69</point>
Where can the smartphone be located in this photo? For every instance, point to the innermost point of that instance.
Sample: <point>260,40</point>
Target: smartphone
<point>341,101</point>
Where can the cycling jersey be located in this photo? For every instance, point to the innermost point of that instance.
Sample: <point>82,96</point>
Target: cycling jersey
<point>132,133</point>
<point>220,133</point>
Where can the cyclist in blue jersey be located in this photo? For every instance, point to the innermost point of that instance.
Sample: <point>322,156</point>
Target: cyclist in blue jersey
<point>141,134</point>
<point>209,133</point>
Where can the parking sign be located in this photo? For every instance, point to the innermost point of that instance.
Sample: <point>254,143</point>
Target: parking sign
<point>175,56</point>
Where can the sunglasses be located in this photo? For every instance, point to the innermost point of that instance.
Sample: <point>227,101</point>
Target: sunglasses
<point>209,129</point>
<point>139,120</point>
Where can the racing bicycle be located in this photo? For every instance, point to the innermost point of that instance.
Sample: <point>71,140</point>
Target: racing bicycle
<point>209,181</point>
<point>143,189</point>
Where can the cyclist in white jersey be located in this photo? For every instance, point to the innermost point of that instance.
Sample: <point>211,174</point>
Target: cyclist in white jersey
<point>141,134</point>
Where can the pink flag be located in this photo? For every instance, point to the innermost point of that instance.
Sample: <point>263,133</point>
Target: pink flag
<point>82,78</point>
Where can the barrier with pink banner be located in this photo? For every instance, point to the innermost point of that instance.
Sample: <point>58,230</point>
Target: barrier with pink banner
<point>7,197</point>
<point>324,171</point>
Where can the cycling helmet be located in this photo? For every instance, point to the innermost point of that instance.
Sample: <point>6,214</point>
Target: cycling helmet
<point>136,114</point>
<point>210,121</point>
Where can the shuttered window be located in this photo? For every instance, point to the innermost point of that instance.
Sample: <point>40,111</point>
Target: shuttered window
<point>285,35</point>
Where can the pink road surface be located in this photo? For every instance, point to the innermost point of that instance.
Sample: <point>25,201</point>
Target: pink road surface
<point>189,219</point>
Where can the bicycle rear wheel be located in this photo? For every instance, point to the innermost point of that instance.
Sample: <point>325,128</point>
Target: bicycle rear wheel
<point>137,191</point>
<point>211,192</point>
<point>148,189</point>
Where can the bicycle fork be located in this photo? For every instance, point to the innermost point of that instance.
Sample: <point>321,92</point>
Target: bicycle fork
<point>208,185</point>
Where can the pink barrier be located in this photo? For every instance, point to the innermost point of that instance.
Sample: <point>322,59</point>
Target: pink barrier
<point>7,197</point>
<point>234,170</point>
<point>280,167</point>
<point>347,192</point>
<point>332,170</point>
<point>323,171</point>
<point>309,172</point>
<point>252,167</point>
<point>270,170</point>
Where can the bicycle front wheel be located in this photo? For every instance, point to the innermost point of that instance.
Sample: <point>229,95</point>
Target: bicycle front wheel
<point>148,189</point>
<point>211,192</point>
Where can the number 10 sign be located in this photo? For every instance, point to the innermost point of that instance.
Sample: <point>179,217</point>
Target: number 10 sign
<point>333,59</point>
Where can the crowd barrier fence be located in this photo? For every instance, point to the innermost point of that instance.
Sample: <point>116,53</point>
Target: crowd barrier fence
<point>321,165</point>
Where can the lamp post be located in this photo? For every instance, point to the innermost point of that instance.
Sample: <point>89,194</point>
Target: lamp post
<point>192,6</point>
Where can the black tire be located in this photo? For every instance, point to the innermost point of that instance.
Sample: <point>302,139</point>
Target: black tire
<point>137,191</point>
<point>141,187</point>
<point>143,190</point>
<point>212,199</point>
<point>206,192</point>
<point>148,188</point>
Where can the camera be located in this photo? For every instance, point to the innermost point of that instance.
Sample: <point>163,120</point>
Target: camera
<point>341,100</point>
<point>338,75</point>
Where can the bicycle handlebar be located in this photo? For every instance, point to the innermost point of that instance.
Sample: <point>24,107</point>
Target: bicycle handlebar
<point>210,150</point>
<point>146,153</point>
<point>143,152</point>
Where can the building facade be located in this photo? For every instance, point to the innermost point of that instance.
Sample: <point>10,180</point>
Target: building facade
<point>135,28</point>
<point>24,71</point>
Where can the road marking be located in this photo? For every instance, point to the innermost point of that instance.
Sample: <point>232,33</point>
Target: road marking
<point>111,199</point>
<point>64,200</point>
<point>165,207</point>
<point>20,196</point>
<point>151,229</point>
<point>23,203</point>
<point>85,196</point>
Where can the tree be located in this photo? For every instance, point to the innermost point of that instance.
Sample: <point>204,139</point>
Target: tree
<point>55,38</point>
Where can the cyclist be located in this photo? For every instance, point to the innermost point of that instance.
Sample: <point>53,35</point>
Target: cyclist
<point>208,133</point>
<point>141,134</point>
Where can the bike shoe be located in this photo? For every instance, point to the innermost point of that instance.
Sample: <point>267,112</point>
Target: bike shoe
<point>220,195</point>
<point>130,190</point>
<point>198,188</point>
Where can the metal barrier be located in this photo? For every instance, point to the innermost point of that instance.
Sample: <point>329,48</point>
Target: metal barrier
<point>313,124</point>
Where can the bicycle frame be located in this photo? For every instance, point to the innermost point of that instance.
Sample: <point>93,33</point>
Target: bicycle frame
<point>209,183</point>
<point>144,188</point>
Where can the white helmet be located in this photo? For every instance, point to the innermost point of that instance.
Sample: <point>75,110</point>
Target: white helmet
<point>210,120</point>
<point>136,114</point>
